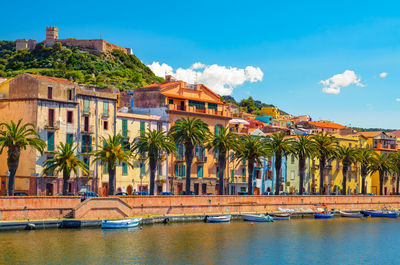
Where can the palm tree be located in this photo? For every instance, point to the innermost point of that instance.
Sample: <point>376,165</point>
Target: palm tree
<point>221,142</point>
<point>112,152</point>
<point>16,137</point>
<point>280,146</point>
<point>152,143</point>
<point>395,157</point>
<point>303,148</point>
<point>189,132</point>
<point>325,146</point>
<point>347,155</point>
<point>382,164</point>
<point>64,161</point>
<point>364,156</point>
<point>252,149</point>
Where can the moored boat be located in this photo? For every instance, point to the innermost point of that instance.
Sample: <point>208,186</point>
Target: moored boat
<point>381,214</point>
<point>123,223</point>
<point>323,215</point>
<point>281,216</point>
<point>257,218</point>
<point>219,219</point>
<point>350,215</point>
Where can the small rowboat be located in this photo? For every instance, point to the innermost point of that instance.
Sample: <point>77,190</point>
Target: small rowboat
<point>350,215</point>
<point>257,218</point>
<point>219,219</point>
<point>381,214</point>
<point>124,223</point>
<point>323,215</point>
<point>281,216</point>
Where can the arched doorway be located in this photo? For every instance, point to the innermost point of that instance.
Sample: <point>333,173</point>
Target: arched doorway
<point>129,190</point>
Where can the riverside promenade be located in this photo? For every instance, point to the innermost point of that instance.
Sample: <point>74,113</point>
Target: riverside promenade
<point>50,208</point>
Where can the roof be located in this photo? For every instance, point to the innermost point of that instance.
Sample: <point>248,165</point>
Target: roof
<point>396,133</point>
<point>370,134</point>
<point>327,124</point>
<point>51,79</point>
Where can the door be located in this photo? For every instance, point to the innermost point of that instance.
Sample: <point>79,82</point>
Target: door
<point>204,188</point>
<point>182,105</point>
<point>86,125</point>
<point>233,192</point>
<point>104,188</point>
<point>49,189</point>
<point>196,188</point>
<point>179,188</point>
<point>159,189</point>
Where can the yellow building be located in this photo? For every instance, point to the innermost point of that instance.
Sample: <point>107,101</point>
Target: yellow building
<point>270,111</point>
<point>4,87</point>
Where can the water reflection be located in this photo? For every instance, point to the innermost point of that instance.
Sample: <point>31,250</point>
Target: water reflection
<point>304,241</point>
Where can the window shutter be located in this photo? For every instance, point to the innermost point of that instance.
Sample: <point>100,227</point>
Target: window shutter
<point>176,170</point>
<point>90,144</point>
<point>83,144</point>
<point>184,171</point>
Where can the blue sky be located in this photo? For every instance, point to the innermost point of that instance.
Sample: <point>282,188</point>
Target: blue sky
<point>295,44</point>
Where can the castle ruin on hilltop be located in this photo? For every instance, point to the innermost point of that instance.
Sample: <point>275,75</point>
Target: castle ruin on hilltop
<point>52,38</point>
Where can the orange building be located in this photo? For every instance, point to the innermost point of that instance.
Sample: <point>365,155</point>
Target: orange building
<point>179,99</point>
<point>331,127</point>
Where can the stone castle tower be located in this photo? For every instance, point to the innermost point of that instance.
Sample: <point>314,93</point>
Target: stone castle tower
<point>51,35</point>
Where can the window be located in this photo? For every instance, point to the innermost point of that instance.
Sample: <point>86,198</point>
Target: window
<point>124,169</point>
<point>50,92</point>
<point>159,126</point>
<point>292,159</point>
<point>124,128</point>
<point>70,138</point>
<point>197,104</point>
<point>171,101</point>
<point>51,118</point>
<point>50,174</point>
<point>69,93</point>
<point>159,170</point>
<point>213,106</point>
<point>50,141</point>
<point>105,110</point>
<point>180,170</point>
<point>105,125</point>
<point>86,124</point>
<point>292,175</point>
<point>200,171</point>
<point>105,168</point>
<point>142,169</point>
<point>232,175</point>
<point>86,143</point>
<point>243,174</point>
<point>142,128</point>
<point>86,106</point>
<point>70,116</point>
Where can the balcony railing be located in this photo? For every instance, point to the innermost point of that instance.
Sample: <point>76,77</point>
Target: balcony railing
<point>193,109</point>
<point>87,129</point>
<point>55,125</point>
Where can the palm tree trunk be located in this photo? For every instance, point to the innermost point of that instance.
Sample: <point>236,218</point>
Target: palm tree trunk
<point>111,178</point>
<point>344,173</point>
<point>381,175</point>
<point>189,159</point>
<point>222,166</point>
<point>397,183</point>
<point>153,167</point>
<point>250,169</point>
<point>321,175</point>
<point>363,177</point>
<point>302,172</point>
<point>66,176</point>
<point>278,165</point>
<point>12,162</point>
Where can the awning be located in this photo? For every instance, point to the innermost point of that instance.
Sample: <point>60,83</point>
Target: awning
<point>239,121</point>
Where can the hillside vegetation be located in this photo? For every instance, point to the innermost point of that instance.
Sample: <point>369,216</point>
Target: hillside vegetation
<point>250,105</point>
<point>114,69</point>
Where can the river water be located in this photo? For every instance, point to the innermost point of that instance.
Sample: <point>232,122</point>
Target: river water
<point>299,241</point>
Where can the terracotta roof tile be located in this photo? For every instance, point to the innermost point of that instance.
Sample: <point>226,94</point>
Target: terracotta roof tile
<point>327,124</point>
<point>370,133</point>
<point>51,79</point>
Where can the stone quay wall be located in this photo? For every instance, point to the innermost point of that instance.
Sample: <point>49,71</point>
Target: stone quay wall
<point>22,208</point>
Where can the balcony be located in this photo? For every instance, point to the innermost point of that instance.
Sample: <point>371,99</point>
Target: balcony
<point>193,109</point>
<point>162,179</point>
<point>201,159</point>
<point>385,146</point>
<point>52,125</point>
<point>87,129</point>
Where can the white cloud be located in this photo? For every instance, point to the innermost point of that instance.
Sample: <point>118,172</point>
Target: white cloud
<point>398,99</point>
<point>221,79</point>
<point>383,74</point>
<point>336,82</point>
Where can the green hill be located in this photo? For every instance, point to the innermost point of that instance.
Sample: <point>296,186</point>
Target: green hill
<point>250,105</point>
<point>113,69</point>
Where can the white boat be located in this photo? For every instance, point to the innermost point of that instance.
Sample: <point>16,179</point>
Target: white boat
<point>123,223</point>
<point>257,218</point>
<point>281,216</point>
<point>350,215</point>
<point>219,219</point>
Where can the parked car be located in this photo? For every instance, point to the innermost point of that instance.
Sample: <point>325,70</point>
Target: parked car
<point>167,193</point>
<point>243,193</point>
<point>267,193</point>
<point>68,194</point>
<point>208,194</point>
<point>20,194</point>
<point>140,193</point>
<point>87,194</point>
<point>121,194</point>
<point>188,193</point>
<point>371,194</point>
